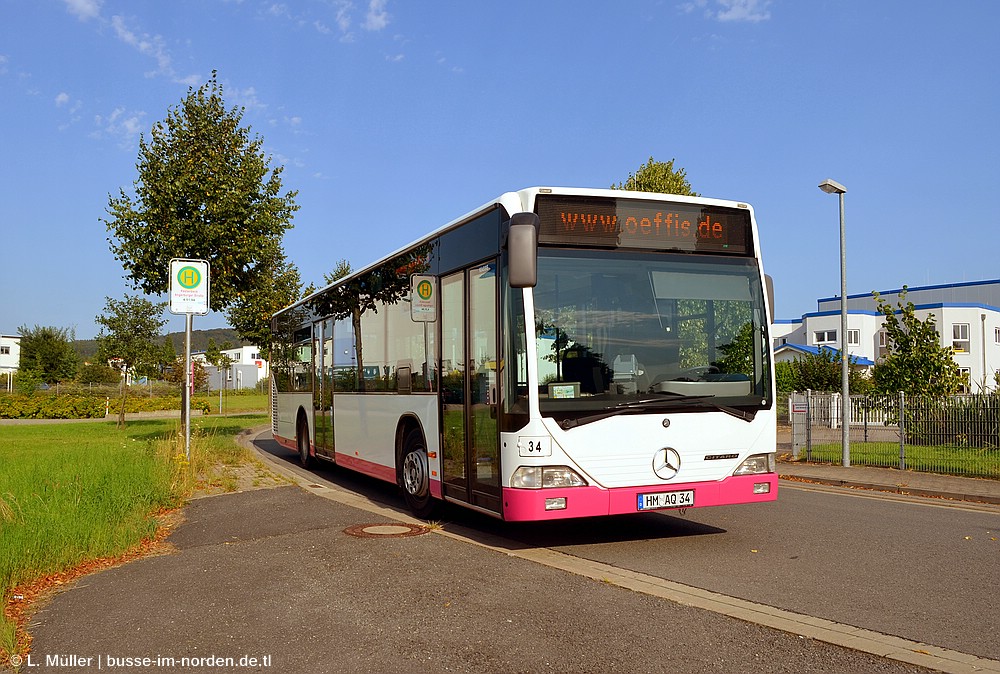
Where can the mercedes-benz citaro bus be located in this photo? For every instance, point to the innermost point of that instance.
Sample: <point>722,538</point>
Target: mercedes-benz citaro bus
<point>554,353</point>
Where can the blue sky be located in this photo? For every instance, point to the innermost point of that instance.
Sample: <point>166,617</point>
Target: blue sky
<point>391,118</point>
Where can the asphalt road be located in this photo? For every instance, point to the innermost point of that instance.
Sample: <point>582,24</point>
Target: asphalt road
<point>916,568</point>
<point>908,567</point>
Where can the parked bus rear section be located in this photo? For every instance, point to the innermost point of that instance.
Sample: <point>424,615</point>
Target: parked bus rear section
<point>555,353</point>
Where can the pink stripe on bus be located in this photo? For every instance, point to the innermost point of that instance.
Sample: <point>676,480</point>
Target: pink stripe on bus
<point>522,505</point>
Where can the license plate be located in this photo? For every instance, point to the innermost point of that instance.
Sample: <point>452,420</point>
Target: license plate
<point>666,499</point>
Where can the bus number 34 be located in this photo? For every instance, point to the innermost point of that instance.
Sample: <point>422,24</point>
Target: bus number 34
<point>534,446</point>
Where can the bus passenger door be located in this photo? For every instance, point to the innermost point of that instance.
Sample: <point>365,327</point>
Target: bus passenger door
<point>469,386</point>
<point>323,387</point>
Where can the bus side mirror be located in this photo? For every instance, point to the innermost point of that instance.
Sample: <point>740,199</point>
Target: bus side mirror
<point>522,250</point>
<point>769,282</point>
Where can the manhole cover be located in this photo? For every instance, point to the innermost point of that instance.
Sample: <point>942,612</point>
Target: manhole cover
<point>383,530</point>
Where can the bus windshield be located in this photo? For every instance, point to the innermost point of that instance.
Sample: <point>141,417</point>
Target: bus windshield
<point>614,330</point>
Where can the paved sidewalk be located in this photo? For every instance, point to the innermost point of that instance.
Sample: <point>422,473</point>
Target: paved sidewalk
<point>892,480</point>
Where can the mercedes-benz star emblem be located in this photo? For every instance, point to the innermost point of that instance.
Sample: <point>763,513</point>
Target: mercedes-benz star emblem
<point>666,463</point>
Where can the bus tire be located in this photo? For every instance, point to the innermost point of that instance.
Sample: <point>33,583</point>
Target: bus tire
<point>414,475</point>
<point>302,441</point>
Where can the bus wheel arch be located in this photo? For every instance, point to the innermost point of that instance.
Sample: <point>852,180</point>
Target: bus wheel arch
<point>413,468</point>
<point>302,439</point>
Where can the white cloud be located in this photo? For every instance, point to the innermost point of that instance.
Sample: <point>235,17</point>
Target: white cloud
<point>3,64</point>
<point>377,18</point>
<point>193,80</point>
<point>752,11</point>
<point>247,98</point>
<point>120,124</point>
<point>84,9</point>
<point>145,44</point>
<point>344,15</point>
<point>279,9</point>
<point>744,10</point>
<point>62,99</point>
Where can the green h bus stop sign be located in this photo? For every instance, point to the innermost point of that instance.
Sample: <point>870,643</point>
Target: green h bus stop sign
<point>189,283</point>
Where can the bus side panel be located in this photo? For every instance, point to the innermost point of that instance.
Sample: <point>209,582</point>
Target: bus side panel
<point>287,409</point>
<point>365,432</point>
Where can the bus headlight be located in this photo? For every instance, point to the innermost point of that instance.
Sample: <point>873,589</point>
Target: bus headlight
<point>546,477</point>
<point>756,465</point>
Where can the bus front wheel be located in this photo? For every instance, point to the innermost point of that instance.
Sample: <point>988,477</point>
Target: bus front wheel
<point>415,475</point>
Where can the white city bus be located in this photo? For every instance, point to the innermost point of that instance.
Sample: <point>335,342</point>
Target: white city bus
<point>555,353</point>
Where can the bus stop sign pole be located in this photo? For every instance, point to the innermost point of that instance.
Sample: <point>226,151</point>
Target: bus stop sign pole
<point>189,286</point>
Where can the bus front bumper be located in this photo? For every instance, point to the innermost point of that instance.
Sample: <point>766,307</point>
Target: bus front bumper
<point>525,505</point>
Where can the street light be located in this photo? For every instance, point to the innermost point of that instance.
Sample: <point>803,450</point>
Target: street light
<point>833,187</point>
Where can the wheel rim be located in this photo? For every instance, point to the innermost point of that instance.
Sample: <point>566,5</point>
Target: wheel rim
<point>415,473</point>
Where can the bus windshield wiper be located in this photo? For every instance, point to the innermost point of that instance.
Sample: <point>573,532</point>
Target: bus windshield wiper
<point>676,400</point>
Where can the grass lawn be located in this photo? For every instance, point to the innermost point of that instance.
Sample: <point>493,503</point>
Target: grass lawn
<point>72,493</point>
<point>235,403</point>
<point>968,461</point>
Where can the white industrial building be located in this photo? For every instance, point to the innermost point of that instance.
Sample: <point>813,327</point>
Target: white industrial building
<point>10,356</point>
<point>967,316</point>
<point>246,370</point>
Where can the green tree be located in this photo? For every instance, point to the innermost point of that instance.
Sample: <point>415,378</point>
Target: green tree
<point>47,353</point>
<point>251,317</point>
<point>786,377</point>
<point>822,372</point>
<point>98,373</point>
<point>207,191</point>
<point>167,357</point>
<point>915,363</point>
<point>175,374</point>
<point>658,176</point>
<point>340,270</point>
<point>212,351</point>
<point>130,329</point>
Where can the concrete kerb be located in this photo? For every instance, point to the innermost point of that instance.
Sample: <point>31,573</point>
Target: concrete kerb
<point>820,629</point>
<point>891,481</point>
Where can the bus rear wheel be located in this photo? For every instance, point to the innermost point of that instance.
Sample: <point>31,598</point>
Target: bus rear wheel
<point>414,475</point>
<point>302,442</point>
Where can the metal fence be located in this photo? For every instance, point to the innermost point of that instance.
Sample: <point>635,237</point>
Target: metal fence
<point>957,435</point>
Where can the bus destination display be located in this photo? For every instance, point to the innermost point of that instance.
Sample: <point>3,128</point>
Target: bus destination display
<point>630,223</point>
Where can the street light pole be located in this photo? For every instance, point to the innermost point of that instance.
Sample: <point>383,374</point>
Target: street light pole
<point>833,187</point>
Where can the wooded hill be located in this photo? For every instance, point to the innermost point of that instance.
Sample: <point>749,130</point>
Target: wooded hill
<point>87,348</point>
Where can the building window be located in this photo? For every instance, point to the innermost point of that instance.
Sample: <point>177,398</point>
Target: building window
<point>966,374</point>
<point>960,337</point>
<point>853,337</point>
<point>5,350</point>
<point>825,336</point>
<point>883,338</point>
<point>996,335</point>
